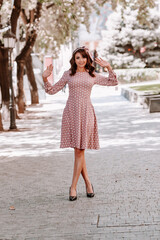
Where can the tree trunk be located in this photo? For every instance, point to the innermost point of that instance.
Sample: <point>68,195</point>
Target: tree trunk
<point>4,81</point>
<point>24,54</point>
<point>20,59</point>
<point>15,15</point>
<point>21,97</point>
<point>1,3</point>
<point>1,125</point>
<point>32,80</point>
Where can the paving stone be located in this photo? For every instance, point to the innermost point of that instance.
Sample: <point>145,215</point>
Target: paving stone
<point>35,175</point>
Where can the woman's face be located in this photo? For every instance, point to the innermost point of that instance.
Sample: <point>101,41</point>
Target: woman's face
<point>80,60</point>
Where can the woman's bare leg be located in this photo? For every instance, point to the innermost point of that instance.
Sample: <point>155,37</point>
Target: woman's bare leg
<point>78,164</point>
<point>86,177</point>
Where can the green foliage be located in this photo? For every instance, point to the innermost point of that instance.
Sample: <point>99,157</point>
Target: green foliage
<point>127,43</point>
<point>60,21</point>
<point>137,75</point>
<point>155,88</point>
<point>142,6</point>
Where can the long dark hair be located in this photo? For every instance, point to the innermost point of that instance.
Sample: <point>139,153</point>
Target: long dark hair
<point>88,65</point>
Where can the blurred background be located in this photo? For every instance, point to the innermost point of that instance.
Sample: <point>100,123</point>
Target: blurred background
<point>125,33</point>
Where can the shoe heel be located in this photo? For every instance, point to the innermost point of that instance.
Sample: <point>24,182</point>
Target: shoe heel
<point>90,195</point>
<point>72,198</point>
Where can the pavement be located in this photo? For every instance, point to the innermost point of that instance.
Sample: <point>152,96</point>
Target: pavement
<point>35,174</point>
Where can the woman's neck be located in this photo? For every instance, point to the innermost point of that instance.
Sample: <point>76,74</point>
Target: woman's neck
<point>81,70</point>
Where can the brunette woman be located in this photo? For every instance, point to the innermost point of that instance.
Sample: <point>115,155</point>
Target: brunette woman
<point>79,128</point>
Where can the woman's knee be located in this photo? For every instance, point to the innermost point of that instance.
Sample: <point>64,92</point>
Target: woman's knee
<point>79,152</point>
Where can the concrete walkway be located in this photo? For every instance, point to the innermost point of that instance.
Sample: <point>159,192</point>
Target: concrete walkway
<point>35,175</point>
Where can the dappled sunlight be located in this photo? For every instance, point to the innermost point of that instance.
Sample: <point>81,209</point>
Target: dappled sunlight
<point>154,120</point>
<point>130,141</point>
<point>128,126</point>
<point>38,131</point>
<point>122,126</point>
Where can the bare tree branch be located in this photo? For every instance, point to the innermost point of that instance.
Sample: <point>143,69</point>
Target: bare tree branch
<point>15,15</point>
<point>1,2</point>
<point>31,15</point>
<point>24,17</point>
<point>50,5</point>
<point>38,10</point>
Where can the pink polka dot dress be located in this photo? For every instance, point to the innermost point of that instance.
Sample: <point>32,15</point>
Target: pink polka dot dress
<point>79,125</point>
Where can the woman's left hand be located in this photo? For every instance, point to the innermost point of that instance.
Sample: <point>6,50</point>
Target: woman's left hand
<point>103,63</point>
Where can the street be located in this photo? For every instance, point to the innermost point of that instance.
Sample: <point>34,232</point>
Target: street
<point>35,175</point>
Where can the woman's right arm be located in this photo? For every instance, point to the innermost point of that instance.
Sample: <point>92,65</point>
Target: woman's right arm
<point>53,89</point>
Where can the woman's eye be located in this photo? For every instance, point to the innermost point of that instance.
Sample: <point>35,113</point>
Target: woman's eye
<point>77,57</point>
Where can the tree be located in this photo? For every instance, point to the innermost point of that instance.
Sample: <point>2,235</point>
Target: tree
<point>59,21</point>
<point>143,7</point>
<point>4,81</point>
<point>127,43</point>
<point>24,58</point>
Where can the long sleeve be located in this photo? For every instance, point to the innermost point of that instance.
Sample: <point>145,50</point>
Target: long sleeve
<point>53,89</point>
<point>111,80</point>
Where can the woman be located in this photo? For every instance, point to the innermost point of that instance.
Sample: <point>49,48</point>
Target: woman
<point>79,125</point>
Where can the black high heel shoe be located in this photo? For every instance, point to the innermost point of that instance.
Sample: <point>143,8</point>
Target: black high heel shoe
<point>72,198</point>
<point>90,195</point>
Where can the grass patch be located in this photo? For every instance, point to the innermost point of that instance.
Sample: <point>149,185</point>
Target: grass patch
<point>154,88</point>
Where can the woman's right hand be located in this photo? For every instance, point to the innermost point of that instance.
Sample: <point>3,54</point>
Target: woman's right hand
<point>47,72</point>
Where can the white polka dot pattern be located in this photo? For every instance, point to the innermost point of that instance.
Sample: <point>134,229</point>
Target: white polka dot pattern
<point>79,125</point>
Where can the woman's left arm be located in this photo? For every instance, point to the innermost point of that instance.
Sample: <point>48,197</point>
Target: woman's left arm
<point>111,80</point>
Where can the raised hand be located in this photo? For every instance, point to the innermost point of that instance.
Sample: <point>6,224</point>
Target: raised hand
<point>48,71</point>
<point>103,63</point>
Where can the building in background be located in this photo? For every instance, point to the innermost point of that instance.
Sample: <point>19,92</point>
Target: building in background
<point>60,64</point>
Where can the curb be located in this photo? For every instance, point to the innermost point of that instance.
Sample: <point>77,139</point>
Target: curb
<point>151,101</point>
